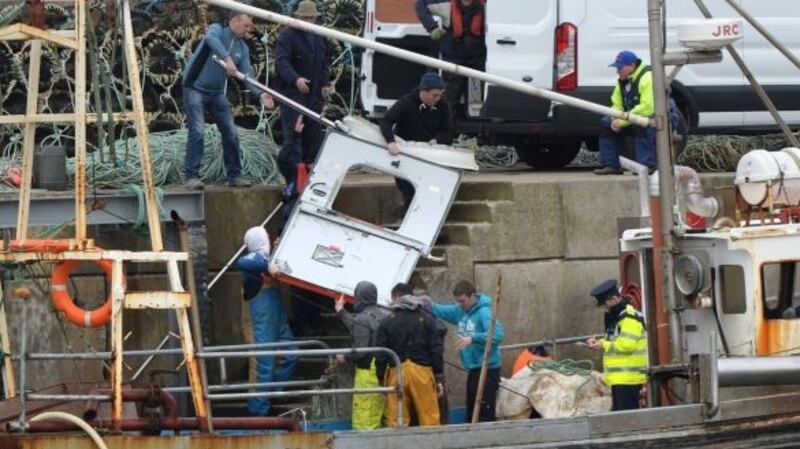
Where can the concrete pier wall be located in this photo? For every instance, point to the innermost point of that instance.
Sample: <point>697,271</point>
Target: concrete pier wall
<point>551,236</point>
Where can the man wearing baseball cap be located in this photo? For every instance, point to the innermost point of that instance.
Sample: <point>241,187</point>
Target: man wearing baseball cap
<point>624,346</point>
<point>633,93</point>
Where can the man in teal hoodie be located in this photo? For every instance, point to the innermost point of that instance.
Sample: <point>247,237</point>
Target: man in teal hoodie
<point>472,314</point>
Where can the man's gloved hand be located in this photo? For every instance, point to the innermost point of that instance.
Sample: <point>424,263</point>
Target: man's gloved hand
<point>437,33</point>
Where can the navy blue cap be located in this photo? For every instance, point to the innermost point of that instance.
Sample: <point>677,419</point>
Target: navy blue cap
<point>605,290</point>
<point>430,81</point>
<point>624,57</point>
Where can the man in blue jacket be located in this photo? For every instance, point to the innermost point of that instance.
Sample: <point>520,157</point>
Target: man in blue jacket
<point>473,315</point>
<point>204,84</point>
<point>267,313</point>
<point>302,65</point>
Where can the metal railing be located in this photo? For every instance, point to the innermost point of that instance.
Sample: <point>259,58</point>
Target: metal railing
<point>234,351</point>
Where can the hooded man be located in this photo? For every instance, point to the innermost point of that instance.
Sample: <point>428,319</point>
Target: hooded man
<point>267,313</point>
<point>363,324</point>
<point>472,313</point>
<point>402,289</point>
<point>624,347</point>
<point>411,333</point>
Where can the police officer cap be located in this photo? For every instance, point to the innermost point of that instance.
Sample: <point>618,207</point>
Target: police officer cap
<point>605,290</point>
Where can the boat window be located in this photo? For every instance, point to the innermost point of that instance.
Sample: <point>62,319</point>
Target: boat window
<point>387,212</point>
<point>781,287</point>
<point>732,287</point>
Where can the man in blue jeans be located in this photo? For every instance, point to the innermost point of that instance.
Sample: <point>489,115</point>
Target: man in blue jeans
<point>204,85</point>
<point>633,93</point>
<point>302,73</point>
<point>267,313</point>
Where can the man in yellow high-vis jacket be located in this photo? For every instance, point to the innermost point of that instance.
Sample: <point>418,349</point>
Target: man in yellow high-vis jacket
<point>624,346</point>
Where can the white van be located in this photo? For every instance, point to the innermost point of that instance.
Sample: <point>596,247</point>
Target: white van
<point>566,45</point>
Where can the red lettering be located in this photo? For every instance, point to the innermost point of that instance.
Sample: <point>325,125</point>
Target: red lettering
<point>736,29</point>
<point>727,30</point>
<point>717,32</point>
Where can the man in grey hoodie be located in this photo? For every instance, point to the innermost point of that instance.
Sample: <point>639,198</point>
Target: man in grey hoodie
<point>363,325</point>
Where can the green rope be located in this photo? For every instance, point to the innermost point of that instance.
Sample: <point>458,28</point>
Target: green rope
<point>567,367</point>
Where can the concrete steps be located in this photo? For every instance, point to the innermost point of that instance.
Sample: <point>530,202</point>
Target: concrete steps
<point>478,211</point>
<point>485,191</point>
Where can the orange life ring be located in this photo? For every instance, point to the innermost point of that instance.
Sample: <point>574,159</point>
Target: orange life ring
<point>64,303</point>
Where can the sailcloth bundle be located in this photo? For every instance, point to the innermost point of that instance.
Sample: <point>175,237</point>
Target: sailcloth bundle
<point>553,392</point>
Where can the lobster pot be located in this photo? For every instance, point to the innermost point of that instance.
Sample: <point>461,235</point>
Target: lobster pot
<point>763,174</point>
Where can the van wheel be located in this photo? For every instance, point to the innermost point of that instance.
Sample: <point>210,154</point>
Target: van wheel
<point>551,155</point>
<point>680,136</point>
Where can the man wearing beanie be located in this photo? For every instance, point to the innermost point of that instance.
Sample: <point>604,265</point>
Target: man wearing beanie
<point>422,115</point>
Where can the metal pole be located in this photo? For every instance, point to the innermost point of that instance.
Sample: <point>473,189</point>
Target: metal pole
<point>276,344</point>
<point>757,371</point>
<point>487,348</point>
<point>643,178</point>
<point>70,397</point>
<point>764,32</point>
<point>247,386</point>
<point>289,394</point>
<point>666,192</point>
<point>557,341</point>
<point>283,98</point>
<point>149,359</point>
<point>241,250</point>
<point>171,351</point>
<point>432,62</point>
<point>22,365</point>
<point>760,92</point>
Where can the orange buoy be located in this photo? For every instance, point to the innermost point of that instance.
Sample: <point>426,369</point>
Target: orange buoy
<point>64,303</point>
<point>59,293</point>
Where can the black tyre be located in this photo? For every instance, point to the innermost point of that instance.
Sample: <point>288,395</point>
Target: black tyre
<point>680,136</point>
<point>551,155</point>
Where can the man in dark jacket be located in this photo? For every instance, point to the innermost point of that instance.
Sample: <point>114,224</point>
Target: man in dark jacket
<point>400,290</point>
<point>204,90</point>
<point>363,325</point>
<point>412,334</point>
<point>422,115</point>
<point>462,39</point>
<point>303,74</point>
